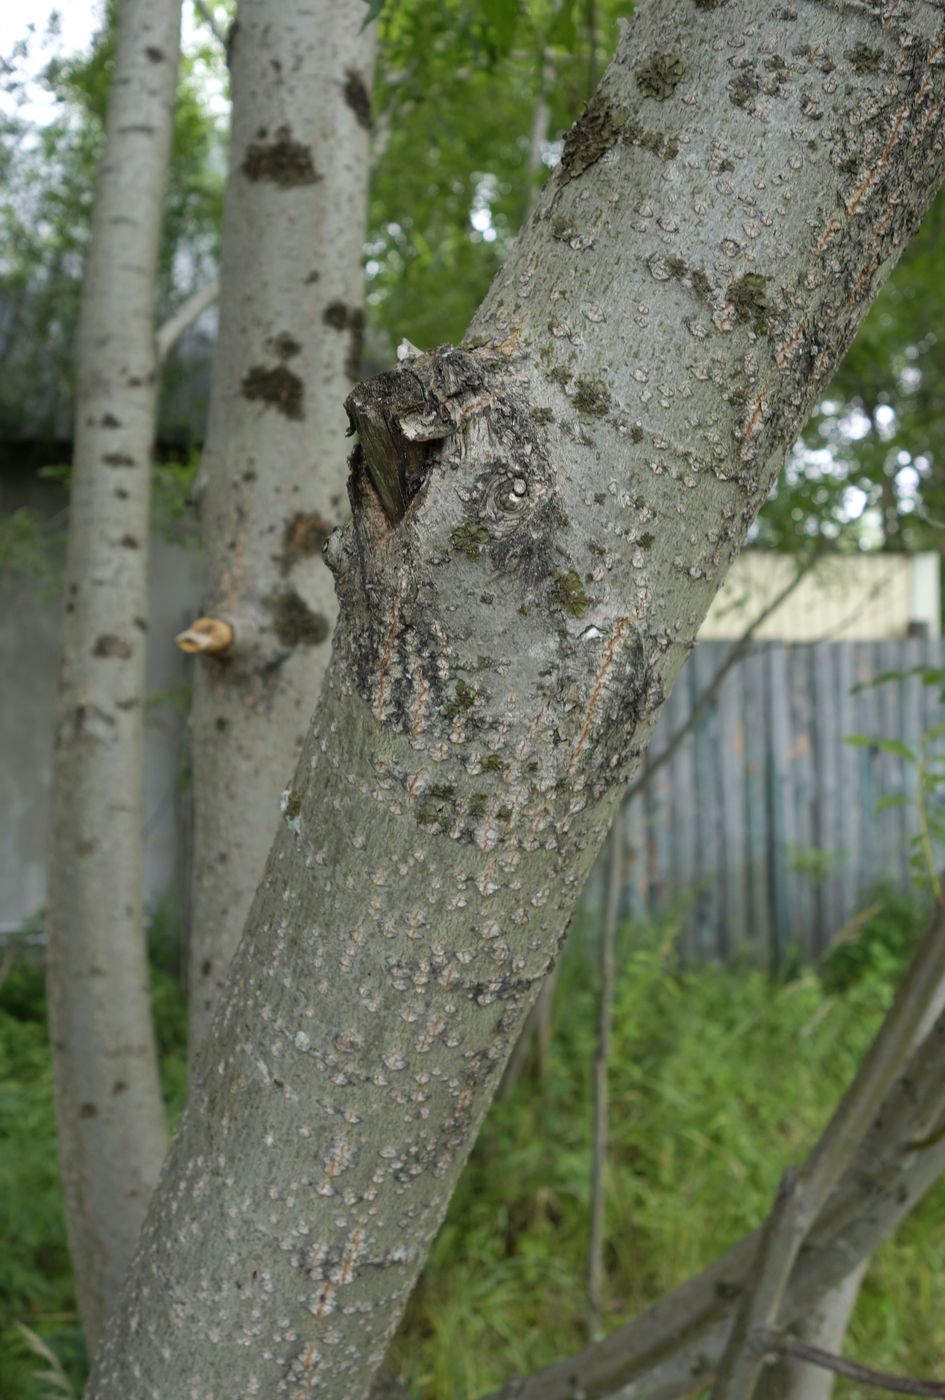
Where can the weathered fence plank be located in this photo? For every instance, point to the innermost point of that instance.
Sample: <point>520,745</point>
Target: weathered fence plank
<point>763,828</point>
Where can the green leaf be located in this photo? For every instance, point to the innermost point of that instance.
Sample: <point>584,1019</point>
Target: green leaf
<point>502,19</point>
<point>374,9</point>
<point>896,747</point>
<point>859,741</point>
<point>896,799</point>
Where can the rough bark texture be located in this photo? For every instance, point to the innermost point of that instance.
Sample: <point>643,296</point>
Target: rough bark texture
<point>111,1127</point>
<point>540,521</point>
<point>291,327</point>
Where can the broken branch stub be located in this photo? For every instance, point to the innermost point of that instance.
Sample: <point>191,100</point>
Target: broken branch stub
<point>208,636</point>
<point>455,508</point>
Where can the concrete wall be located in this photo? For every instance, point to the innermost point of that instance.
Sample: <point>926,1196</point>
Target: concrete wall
<point>29,660</point>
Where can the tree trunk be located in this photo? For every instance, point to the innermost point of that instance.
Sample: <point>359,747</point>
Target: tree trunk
<point>540,521</point>
<point>111,1127</point>
<point>291,327</point>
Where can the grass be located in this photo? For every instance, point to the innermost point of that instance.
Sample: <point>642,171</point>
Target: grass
<point>719,1079</point>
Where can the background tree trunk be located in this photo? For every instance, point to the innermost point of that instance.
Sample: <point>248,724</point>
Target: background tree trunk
<point>540,522</point>
<point>111,1127</point>
<point>291,329</point>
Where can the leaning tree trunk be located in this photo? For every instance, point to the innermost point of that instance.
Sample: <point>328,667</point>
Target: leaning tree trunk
<point>540,521</point>
<point>111,1128</point>
<point>291,327</point>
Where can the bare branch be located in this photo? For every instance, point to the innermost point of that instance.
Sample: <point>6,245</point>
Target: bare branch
<point>881,1380</point>
<point>173,328</point>
<point>206,14</point>
<point>595,1263</point>
<point>680,1340</point>
<point>731,660</point>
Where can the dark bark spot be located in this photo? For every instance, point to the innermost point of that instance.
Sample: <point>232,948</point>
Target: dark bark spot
<point>356,344</point>
<point>591,397</point>
<point>747,295</point>
<point>304,535</point>
<point>118,459</point>
<point>277,386</point>
<point>220,724</point>
<point>88,1110</point>
<point>141,623</point>
<point>336,314</point>
<point>249,476</point>
<point>120,493</point>
<point>129,704</point>
<point>86,846</point>
<point>313,276</point>
<point>743,89</point>
<point>155,55</point>
<point>119,1086</point>
<point>284,162</point>
<point>110,645</point>
<point>569,594</point>
<point>129,542</point>
<point>666,147</point>
<point>358,98</point>
<point>285,345</point>
<point>206,967</point>
<point>294,622</point>
<point>110,421</point>
<point>863,59</point>
<point>591,135</point>
<point>659,75</point>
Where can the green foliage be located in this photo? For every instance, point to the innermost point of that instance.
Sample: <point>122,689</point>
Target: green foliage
<point>882,422</point>
<point>47,179</point>
<point>703,1122</point>
<point>35,1279</point>
<point>458,90</point>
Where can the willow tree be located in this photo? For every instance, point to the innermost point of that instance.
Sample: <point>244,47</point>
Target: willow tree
<point>541,518</point>
<point>110,1115</point>
<point>291,327</point>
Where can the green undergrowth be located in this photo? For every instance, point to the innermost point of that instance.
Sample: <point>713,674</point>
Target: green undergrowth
<point>718,1080</point>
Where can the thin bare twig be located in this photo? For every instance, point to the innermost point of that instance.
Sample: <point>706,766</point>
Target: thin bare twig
<point>881,1380</point>
<point>207,15</point>
<point>595,1261</point>
<point>797,1208</point>
<point>173,328</point>
<point>680,1340</point>
<point>732,659</point>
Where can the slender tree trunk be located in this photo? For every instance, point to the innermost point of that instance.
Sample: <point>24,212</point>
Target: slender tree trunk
<point>291,326</point>
<point>540,521</point>
<point>111,1128</point>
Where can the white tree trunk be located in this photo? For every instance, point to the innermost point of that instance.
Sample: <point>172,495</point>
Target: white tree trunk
<point>111,1126</point>
<point>291,326</point>
<point>540,521</point>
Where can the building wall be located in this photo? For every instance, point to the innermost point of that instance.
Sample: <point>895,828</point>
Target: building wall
<point>865,597</point>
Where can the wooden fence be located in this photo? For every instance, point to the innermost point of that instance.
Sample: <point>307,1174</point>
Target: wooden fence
<point>762,830</point>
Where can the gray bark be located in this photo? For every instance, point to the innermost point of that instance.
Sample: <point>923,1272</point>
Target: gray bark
<point>540,521</point>
<point>111,1127</point>
<point>291,324</point>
